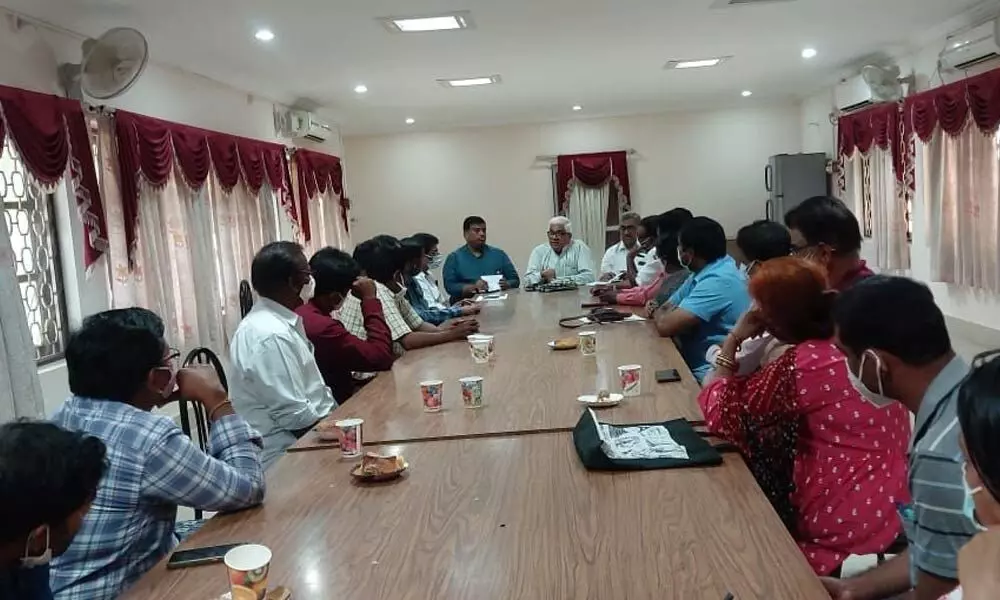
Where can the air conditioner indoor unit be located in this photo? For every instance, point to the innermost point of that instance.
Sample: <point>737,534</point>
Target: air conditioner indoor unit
<point>973,47</point>
<point>304,124</point>
<point>853,94</point>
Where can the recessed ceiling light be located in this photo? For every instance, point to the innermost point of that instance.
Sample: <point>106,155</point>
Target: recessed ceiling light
<point>361,89</point>
<point>264,35</point>
<point>410,121</point>
<point>469,82</point>
<point>577,107</point>
<point>747,93</point>
<point>809,53</point>
<point>696,64</point>
<point>447,22</point>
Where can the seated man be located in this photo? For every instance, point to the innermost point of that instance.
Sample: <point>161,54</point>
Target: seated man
<point>432,311</point>
<point>667,282</point>
<point>48,480</point>
<point>338,352</point>
<point>898,350</point>
<point>761,241</point>
<point>120,369</point>
<point>703,311</point>
<point>275,382</point>
<point>429,288</point>
<point>824,230</point>
<point>562,259</point>
<point>465,267</point>
<point>382,258</point>
<point>642,265</point>
<point>615,262</point>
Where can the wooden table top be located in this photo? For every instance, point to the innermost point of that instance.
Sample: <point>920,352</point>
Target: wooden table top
<point>506,518</point>
<point>528,388</point>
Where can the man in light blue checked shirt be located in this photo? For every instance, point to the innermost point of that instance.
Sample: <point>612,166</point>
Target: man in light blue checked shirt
<point>120,368</point>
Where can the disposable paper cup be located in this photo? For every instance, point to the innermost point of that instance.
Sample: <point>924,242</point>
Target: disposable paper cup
<point>588,343</point>
<point>349,434</point>
<point>482,336</point>
<point>248,566</point>
<point>481,347</point>
<point>431,392</point>
<point>472,391</point>
<point>630,377</point>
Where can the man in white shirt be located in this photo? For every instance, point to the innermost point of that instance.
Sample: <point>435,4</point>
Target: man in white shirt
<point>562,259</point>
<point>275,383</point>
<point>615,258</point>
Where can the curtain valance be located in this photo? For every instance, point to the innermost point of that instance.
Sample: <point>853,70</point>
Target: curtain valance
<point>877,126</point>
<point>318,172</point>
<point>593,170</point>
<point>51,135</point>
<point>951,106</point>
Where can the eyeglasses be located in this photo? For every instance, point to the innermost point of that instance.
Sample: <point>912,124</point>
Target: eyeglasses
<point>557,234</point>
<point>172,359</point>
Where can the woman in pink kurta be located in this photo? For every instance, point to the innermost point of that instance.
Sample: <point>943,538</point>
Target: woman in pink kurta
<point>832,464</point>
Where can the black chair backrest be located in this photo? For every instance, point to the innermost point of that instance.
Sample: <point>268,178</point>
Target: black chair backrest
<point>246,298</point>
<point>199,356</point>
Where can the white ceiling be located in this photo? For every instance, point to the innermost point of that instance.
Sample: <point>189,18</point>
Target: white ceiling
<point>606,55</point>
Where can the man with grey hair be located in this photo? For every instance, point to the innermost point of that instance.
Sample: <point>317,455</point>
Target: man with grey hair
<point>615,260</point>
<point>562,259</point>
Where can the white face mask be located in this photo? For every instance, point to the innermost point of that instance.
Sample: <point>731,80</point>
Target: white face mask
<point>435,262</point>
<point>878,400</point>
<point>680,259</point>
<point>30,562</point>
<point>969,507</point>
<point>308,290</point>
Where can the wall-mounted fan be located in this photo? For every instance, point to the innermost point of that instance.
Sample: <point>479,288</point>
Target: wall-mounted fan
<point>885,83</point>
<point>111,65</point>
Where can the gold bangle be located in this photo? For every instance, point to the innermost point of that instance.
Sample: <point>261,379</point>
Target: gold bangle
<point>211,414</point>
<point>725,362</point>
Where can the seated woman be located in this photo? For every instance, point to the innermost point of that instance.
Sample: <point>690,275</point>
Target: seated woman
<point>671,276</point>
<point>832,464</point>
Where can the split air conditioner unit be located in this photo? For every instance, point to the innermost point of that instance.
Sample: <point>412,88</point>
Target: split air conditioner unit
<point>973,47</point>
<point>297,124</point>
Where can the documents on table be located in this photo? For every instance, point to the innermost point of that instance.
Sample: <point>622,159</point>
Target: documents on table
<point>493,282</point>
<point>490,297</point>
<point>638,441</point>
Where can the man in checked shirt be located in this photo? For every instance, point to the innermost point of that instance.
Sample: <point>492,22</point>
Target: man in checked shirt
<point>120,368</point>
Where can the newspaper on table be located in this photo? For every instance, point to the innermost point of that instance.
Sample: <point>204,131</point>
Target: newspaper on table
<point>638,441</point>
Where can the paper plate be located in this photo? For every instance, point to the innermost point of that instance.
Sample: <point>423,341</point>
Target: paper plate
<point>591,401</point>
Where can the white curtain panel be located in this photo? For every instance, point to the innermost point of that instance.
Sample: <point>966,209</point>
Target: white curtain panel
<point>892,252</point>
<point>325,224</point>
<point>853,193</point>
<point>20,390</point>
<point>962,195</point>
<point>588,211</point>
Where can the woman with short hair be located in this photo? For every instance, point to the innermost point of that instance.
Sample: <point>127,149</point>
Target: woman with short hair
<point>832,464</point>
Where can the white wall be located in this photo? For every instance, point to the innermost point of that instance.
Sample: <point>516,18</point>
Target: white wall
<point>29,58</point>
<point>974,306</point>
<point>709,162</point>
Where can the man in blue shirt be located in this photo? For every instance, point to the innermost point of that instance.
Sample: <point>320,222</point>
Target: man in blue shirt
<point>48,479</point>
<point>465,267</point>
<point>703,311</point>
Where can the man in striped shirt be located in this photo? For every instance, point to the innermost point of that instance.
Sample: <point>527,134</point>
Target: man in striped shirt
<point>898,350</point>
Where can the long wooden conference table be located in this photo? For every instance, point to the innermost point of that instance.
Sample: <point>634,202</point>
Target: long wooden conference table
<point>496,504</point>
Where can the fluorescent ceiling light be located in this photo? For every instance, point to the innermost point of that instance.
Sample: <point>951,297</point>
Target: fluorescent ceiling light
<point>697,64</point>
<point>264,35</point>
<point>809,53</point>
<point>577,107</point>
<point>470,82</point>
<point>410,121</point>
<point>747,93</point>
<point>361,89</point>
<point>448,22</point>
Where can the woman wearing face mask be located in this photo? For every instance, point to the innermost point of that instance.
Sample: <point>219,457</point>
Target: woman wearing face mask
<point>831,464</point>
<point>48,479</point>
<point>979,418</point>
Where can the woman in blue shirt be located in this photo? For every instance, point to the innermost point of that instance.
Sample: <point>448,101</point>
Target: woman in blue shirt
<point>48,479</point>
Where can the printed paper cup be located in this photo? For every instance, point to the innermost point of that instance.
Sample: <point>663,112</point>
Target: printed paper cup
<point>472,391</point>
<point>481,347</point>
<point>431,392</point>
<point>630,377</point>
<point>248,566</point>
<point>588,343</point>
<point>349,434</point>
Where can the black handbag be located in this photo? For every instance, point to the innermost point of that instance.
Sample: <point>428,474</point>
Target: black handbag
<point>598,315</point>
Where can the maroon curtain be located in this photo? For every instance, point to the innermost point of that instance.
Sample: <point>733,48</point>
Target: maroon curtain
<point>876,126</point>
<point>51,134</point>
<point>593,170</point>
<point>316,173</point>
<point>148,147</point>
<point>949,107</point>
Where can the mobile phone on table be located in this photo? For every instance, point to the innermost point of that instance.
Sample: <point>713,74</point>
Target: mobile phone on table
<point>668,376</point>
<point>199,556</point>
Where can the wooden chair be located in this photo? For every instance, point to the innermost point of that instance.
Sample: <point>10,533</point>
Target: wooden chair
<point>199,435</point>
<point>246,298</point>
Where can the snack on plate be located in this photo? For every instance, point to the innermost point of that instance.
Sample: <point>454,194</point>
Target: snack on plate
<point>565,344</point>
<point>373,465</point>
<point>603,396</point>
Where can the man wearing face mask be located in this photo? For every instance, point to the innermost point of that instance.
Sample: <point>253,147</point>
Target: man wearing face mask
<point>42,512</point>
<point>383,259</point>
<point>338,352</point>
<point>419,286</point>
<point>898,350</point>
<point>274,378</point>
<point>824,230</point>
<point>120,368</point>
<point>706,307</point>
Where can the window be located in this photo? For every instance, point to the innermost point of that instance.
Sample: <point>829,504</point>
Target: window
<point>29,216</point>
